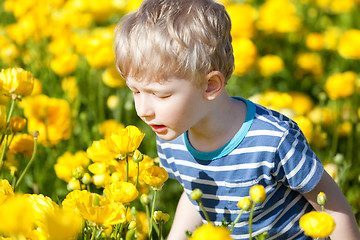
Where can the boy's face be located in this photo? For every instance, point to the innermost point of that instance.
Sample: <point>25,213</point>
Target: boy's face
<point>170,108</point>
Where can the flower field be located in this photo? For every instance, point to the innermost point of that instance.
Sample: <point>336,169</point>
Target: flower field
<point>71,139</point>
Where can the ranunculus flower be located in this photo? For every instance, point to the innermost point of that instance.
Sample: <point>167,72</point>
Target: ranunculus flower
<point>341,85</point>
<point>16,80</point>
<point>349,44</point>
<point>22,144</point>
<point>124,141</point>
<point>245,55</point>
<point>123,192</point>
<point>210,232</point>
<point>317,224</point>
<point>97,209</point>
<point>64,64</point>
<point>17,124</point>
<point>270,65</point>
<point>154,176</point>
<point>6,190</point>
<point>244,203</point>
<point>257,193</point>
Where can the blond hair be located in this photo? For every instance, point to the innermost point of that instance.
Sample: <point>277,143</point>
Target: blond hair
<point>185,38</point>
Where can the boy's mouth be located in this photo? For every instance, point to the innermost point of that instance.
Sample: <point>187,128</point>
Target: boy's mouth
<point>158,128</point>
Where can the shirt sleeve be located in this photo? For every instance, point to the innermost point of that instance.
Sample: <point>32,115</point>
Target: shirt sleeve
<point>296,165</point>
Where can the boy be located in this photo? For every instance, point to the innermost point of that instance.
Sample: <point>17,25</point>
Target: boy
<point>176,57</point>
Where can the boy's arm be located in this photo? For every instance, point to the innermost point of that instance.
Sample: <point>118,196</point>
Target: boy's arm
<point>337,206</point>
<point>186,219</point>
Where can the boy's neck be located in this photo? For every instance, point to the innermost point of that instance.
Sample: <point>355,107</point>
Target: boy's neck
<point>225,118</point>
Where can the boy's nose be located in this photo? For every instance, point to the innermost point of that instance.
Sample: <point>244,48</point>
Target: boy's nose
<point>143,107</point>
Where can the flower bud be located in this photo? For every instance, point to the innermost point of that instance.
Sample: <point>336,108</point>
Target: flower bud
<point>132,225</point>
<point>17,124</point>
<point>77,172</point>
<point>137,156</point>
<point>160,217</point>
<point>145,199</point>
<point>196,194</point>
<point>321,198</point>
<point>257,194</point>
<point>244,203</point>
<point>86,179</point>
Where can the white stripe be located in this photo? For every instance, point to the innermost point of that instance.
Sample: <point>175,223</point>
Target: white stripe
<point>291,224</point>
<point>271,122</point>
<point>300,164</point>
<point>309,176</point>
<point>166,145</point>
<point>264,133</point>
<point>219,168</point>
<point>253,149</point>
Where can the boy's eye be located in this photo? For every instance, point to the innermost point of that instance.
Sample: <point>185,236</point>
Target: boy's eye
<point>163,96</point>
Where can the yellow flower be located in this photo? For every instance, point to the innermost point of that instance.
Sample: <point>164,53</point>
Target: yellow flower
<point>62,224</point>
<point>341,85</point>
<point>17,216</point>
<point>98,152</point>
<point>242,20</point>
<point>161,217</point>
<point>67,162</point>
<point>154,176</point>
<point>141,225</point>
<point>317,224</point>
<point>113,102</point>
<point>16,80</point>
<point>332,170</point>
<point>98,168</point>
<point>349,44</point>
<point>95,208</point>
<point>125,140</point>
<point>37,89</point>
<point>6,190</point>
<point>301,103</point>
<point>257,193</point>
<point>108,126</point>
<point>331,38</point>
<point>244,203</point>
<point>345,129</point>
<point>123,192</point>
<point>64,64</point>
<point>245,55</point>
<point>101,180</point>
<point>42,205</point>
<point>50,116</point>
<point>69,86</point>
<point>270,65</point>
<point>22,144</point>
<point>2,117</point>
<point>305,125</point>
<point>17,124</point>
<point>309,63</point>
<point>210,232</point>
<point>325,116</point>
<point>314,41</point>
<point>278,16</point>
<point>112,78</point>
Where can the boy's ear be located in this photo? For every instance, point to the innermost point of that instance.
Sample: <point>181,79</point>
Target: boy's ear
<point>214,84</point>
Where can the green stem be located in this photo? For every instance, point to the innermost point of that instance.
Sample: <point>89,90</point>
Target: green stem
<point>93,234</point>
<point>13,101</point>
<point>3,152</point>
<point>236,220</point>
<point>151,216</point>
<point>160,230</point>
<point>203,209</point>
<point>29,163</point>
<point>250,220</point>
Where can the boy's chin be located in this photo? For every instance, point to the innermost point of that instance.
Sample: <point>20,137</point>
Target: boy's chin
<point>167,136</point>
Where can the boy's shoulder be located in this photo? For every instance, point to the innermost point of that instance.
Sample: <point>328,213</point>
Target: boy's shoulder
<point>268,119</point>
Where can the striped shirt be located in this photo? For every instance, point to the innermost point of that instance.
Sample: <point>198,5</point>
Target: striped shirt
<point>269,149</point>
